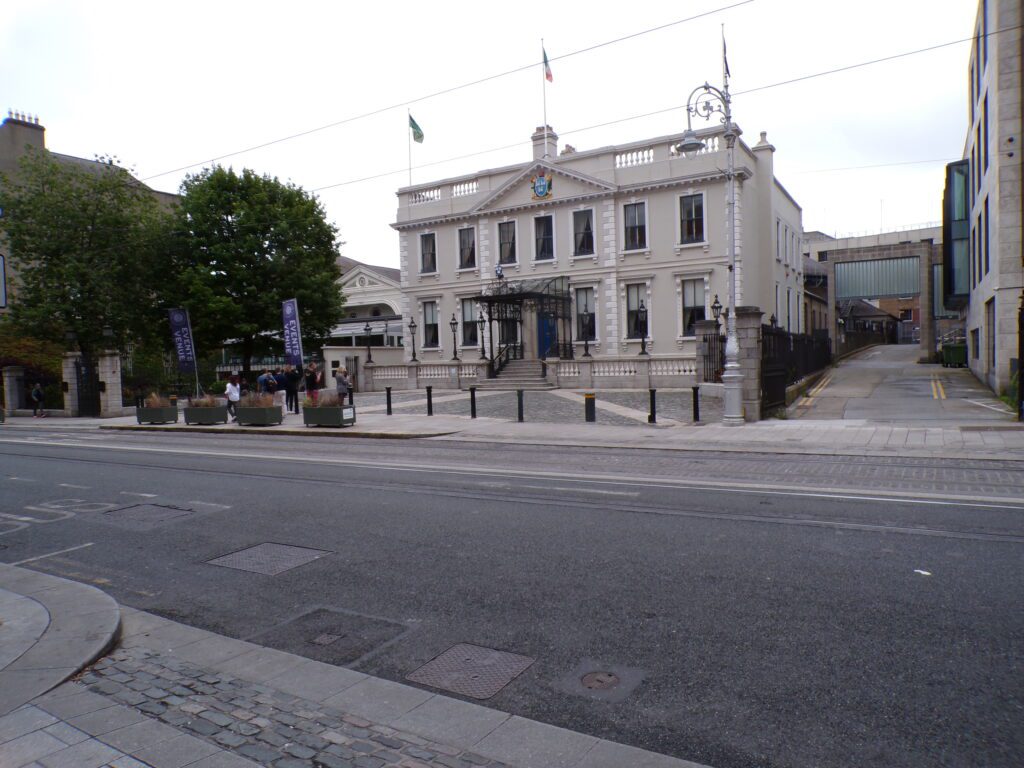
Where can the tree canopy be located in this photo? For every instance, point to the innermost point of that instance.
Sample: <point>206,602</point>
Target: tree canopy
<point>85,242</point>
<point>245,243</point>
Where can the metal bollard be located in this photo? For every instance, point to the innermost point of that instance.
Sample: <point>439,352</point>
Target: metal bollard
<point>696,404</point>
<point>387,393</point>
<point>519,399</point>
<point>430,401</point>
<point>589,407</point>
<point>652,417</point>
<point>472,402</point>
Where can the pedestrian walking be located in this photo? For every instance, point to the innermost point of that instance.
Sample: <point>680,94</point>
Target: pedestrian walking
<point>234,393</point>
<point>342,384</point>
<point>313,380</point>
<point>280,386</point>
<point>37,398</point>
<point>292,378</point>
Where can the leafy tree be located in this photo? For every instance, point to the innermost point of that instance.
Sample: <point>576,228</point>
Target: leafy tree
<point>247,243</point>
<point>85,240</point>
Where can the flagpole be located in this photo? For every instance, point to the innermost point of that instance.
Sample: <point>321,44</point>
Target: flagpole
<point>408,139</point>
<point>544,91</point>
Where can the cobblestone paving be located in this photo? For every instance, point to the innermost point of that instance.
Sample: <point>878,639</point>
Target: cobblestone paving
<point>260,723</point>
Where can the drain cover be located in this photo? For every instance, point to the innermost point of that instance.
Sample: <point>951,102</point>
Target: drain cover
<point>471,670</point>
<point>326,639</point>
<point>599,681</point>
<point>269,559</point>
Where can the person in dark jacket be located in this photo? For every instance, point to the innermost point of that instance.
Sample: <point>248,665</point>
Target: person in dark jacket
<point>292,379</point>
<point>313,379</point>
<point>37,398</point>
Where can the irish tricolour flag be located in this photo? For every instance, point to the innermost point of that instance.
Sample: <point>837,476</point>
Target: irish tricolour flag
<point>547,67</point>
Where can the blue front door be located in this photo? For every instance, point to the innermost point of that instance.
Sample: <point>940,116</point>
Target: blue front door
<point>547,336</point>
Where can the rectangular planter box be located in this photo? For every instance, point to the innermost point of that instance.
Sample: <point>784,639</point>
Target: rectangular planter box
<point>340,416</point>
<point>163,415</point>
<point>259,417</point>
<point>218,415</point>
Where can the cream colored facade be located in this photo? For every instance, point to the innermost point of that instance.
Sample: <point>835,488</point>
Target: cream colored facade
<point>678,262</point>
<point>994,149</point>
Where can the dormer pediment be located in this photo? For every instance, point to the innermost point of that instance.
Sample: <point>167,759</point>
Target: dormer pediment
<point>542,183</point>
<point>364,278</point>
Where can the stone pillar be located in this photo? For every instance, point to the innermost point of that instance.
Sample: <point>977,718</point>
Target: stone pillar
<point>14,389</point>
<point>70,382</point>
<point>748,333</point>
<point>707,333</point>
<point>412,369</point>
<point>109,369</point>
<point>586,380</point>
<point>367,375</point>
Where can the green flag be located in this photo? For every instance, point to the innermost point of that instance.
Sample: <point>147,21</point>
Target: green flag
<point>417,132</point>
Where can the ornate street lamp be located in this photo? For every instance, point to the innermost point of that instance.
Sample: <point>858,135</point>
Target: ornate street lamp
<point>366,330</point>
<point>641,318</point>
<point>480,329</point>
<point>454,325</point>
<point>773,321</point>
<point>705,101</point>
<point>412,335</point>
<point>716,309</point>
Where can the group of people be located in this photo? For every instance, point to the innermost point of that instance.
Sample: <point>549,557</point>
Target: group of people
<point>284,385</point>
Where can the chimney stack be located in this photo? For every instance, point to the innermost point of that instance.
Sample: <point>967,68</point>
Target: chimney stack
<point>545,143</point>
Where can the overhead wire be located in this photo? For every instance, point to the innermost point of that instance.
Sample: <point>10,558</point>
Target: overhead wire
<point>452,89</point>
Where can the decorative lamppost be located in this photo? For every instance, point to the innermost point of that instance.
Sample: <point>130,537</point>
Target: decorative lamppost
<point>454,325</point>
<point>412,335</point>
<point>716,309</point>
<point>705,101</point>
<point>366,330</point>
<point>586,326</point>
<point>480,329</point>
<point>641,318</point>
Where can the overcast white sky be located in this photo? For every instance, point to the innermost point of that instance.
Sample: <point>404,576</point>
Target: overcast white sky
<point>165,86</point>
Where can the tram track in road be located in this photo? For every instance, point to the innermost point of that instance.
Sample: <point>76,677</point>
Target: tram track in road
<point>579,493</point>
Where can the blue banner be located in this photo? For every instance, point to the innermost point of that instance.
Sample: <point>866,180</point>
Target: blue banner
<point>181,333</point>
<point>292,332</point>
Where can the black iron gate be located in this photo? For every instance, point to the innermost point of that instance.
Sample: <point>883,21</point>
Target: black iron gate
<point>88,381</point>
<point>774,368</point>
<point>713,354</point>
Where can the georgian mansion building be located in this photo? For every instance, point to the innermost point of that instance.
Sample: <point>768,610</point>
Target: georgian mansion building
<point>612,249</point>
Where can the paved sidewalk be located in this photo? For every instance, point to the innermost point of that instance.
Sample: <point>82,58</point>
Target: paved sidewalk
<point>172,696</point>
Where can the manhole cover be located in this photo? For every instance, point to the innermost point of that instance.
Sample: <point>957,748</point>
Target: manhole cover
<point>599,681</point>
<point>331,636</point>
<point>269,559</point>
<point>145,516</point>
<point>471,670</point>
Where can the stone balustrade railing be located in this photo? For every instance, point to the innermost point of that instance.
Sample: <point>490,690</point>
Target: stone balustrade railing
<point>633,372</point>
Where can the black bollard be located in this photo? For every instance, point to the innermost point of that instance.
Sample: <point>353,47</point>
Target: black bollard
<point>430,401</point>
<point>387,393</point>
<point>589,407</point>
<point>652,417</point>
<point>519,399</point>
<point>472,402</point>
<point>696,404</point>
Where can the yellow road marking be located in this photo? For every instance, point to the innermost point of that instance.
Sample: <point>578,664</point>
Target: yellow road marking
<point>935,392</point>
<point>942,390</point>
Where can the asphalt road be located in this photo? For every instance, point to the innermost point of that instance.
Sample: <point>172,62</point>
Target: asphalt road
<point>759,611</point>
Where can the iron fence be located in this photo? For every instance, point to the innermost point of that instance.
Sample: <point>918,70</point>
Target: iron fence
<point>785,359</point>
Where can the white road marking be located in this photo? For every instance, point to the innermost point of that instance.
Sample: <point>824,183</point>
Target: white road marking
<point>72,485</point>
<point>1000,409</point>
<point>22,479</point>
<point>580,490</point>
<point>51,554</point>
<point>846,494</point>
<point>208,504</point>
<point>923,573</point>
<point>143,495</point>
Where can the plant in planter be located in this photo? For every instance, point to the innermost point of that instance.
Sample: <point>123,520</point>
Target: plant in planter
<point>206,410</point>
<point>258,410</point>
<point>327,412</point>
<point>157,410</point>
